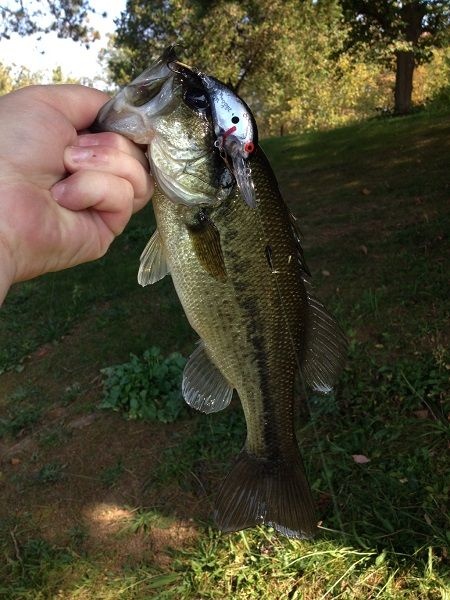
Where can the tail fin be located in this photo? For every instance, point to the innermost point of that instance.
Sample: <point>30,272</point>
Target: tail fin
<point>276,493</point>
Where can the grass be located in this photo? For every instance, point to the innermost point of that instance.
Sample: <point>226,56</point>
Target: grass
<point>97,506</point>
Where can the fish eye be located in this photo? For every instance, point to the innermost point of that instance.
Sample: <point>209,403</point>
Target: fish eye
<point>142,94</point>
<point>196,99</point>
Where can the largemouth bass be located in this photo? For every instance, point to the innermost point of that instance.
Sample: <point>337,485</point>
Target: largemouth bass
<point>232,248</point>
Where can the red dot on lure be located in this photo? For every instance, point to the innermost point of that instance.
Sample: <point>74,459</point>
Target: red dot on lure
<point>249,147</point>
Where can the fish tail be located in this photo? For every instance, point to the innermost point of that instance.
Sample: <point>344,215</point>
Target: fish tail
<point>274,492</point>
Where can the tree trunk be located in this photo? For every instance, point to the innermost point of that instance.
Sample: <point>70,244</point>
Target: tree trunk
<point>404,82</point>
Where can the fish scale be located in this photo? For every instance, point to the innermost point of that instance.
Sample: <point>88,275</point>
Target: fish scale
<point>227,238</point>
<point>257,355</point>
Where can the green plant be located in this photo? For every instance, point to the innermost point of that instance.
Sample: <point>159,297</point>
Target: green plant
<point>50,473</point>
<point>145,520</point>
<point>210,446</point>
<point>111,475</point>
<point>147,388</point>
<point>19,417</point>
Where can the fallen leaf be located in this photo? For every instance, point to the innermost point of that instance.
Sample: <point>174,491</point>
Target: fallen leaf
<point>360,459</point>
<point>325,273</point>
<point>83,421</point>
<point>365,191</point>
<point>15,461</point>
<point>363,249</point>
<point>43,350</point>
<point>422,414</point>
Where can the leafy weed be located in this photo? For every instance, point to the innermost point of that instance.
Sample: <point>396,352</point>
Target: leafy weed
<point>147,388</point>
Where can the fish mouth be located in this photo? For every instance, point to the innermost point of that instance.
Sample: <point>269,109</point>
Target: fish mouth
<point>147,97</point>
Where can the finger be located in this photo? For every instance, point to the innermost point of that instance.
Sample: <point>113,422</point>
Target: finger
<point>114,140</point>
<point>107,194</point>
<point>79,103</point>
<point>113,161</point>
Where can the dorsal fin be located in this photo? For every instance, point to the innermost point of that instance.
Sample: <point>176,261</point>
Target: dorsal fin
<point>297,238</point>
<point>326,346</point>
<point>153,265</point>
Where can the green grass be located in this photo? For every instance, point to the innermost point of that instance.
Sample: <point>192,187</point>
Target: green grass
<point>373,206</point>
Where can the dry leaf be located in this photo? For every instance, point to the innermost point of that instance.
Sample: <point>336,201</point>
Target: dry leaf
<point>325,273</point>
<point>365,192</point>
<point>422,414</point>
<point>360,459</point>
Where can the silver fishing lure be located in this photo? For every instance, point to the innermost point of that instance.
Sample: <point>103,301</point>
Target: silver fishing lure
<point>234,127</point>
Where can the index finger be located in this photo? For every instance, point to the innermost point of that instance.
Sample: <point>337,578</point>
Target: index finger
<point>80,104</point>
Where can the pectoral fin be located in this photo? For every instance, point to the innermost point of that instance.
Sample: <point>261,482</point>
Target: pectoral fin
<point>206,243</point>
<point>153,265</point>
<point>204,387</point>
<point>326,347</point>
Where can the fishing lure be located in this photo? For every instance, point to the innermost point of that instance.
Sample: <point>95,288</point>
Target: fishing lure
<point>234,126</point>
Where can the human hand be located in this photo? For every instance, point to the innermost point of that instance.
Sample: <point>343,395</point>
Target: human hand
<point>64,194</point>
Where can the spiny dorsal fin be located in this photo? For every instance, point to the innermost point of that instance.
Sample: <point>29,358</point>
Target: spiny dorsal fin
<point>206,243</point>
<point>297,237</point>
<point>204,387</point>
<point>326,347</point>
<point>153,265</point>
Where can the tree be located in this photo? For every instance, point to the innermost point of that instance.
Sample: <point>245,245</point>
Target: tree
<point>14,78</point>
<point>68,18</point>
<point>278,54</point>
<point>403,31</point>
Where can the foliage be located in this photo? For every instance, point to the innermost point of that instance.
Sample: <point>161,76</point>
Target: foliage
<point>388,26</point>
<point>12,78</point>
<point>400,33</point>
<point>279,55</point>
<point>288,59</point>
<point>68,18</point>
<point>24,411</point>
<point>50,473</point>
<point>147,388</point>
<point>20,418</point>
<point>433,78</point>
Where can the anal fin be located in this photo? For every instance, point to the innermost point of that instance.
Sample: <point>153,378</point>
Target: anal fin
<point>261,491</point>
<point>204,387</point>
<point>153,265</point>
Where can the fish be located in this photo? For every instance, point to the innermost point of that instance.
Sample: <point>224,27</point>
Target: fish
<point>233,249</point>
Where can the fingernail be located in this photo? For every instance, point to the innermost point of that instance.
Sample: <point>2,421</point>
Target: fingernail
<point>78,154</point>
<point>58,190</point>
<point>88,139</point>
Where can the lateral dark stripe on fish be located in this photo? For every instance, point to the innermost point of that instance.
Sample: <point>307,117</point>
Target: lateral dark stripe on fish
<point>234,253</point>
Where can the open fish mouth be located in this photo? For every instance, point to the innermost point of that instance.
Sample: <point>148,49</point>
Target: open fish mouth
<point>152,94</point>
